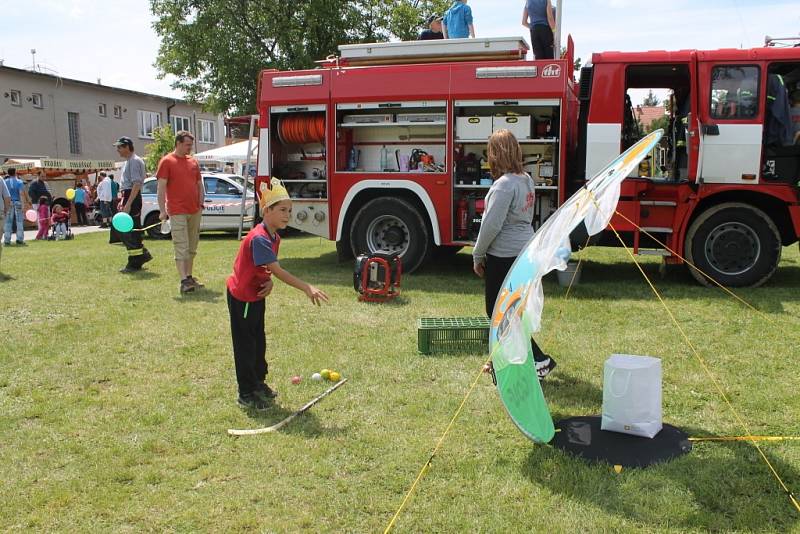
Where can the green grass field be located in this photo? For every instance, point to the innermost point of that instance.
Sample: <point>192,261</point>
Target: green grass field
<point>116,394</point>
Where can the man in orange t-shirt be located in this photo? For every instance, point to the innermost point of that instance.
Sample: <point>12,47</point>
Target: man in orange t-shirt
<point>180,198</point>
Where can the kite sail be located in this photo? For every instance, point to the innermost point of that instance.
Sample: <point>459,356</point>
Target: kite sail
<point>518,310</point>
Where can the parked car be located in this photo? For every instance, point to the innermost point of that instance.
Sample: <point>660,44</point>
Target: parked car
<point>221,209</point>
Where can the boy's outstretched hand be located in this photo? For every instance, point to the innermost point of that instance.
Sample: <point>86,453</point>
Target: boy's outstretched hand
<point>317,296</point>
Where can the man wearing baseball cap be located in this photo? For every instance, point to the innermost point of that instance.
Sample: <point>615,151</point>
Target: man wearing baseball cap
<point>133,176</point>
<point>434,31</point>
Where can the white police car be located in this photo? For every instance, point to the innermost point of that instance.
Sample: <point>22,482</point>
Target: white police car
<point>221,210</point>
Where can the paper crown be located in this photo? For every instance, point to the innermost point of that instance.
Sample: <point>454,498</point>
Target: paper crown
<point>273,193</point>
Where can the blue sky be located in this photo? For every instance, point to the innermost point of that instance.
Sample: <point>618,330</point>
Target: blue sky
<point>114,41</point>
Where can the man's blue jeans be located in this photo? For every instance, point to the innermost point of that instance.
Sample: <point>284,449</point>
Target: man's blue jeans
<point>16,210</point>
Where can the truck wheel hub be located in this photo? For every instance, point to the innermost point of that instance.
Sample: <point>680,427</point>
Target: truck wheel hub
<point>732,248</point>
<point>387,233</point>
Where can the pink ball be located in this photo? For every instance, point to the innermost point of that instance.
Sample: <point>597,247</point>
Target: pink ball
<point>31,215</point>
<point>296,379</point>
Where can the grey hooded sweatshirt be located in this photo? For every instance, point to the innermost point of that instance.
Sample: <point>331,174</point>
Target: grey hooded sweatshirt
<point>506,225</point>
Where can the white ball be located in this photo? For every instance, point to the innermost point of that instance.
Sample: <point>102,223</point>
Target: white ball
<point>316,377</point>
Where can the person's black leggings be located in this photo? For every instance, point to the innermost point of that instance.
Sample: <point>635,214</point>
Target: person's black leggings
<point>542,42</point>
<point>80,211</point>
<point>496,271</point>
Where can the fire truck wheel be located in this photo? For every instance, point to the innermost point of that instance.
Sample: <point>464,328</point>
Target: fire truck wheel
<point>735,243</point>
<point>391,224</point>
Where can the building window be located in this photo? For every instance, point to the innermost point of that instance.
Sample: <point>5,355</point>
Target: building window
<point>117,112</point>
<point>73,122</point>
<point>180,123</point>
<point>101,109</point>
<point>16,97</point>
<point>734,92</point>
<point>207,133</point>
<point>148,121</point>
<point>37,101</point>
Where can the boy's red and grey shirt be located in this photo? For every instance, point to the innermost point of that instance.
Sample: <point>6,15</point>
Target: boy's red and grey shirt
<point>258,249</point>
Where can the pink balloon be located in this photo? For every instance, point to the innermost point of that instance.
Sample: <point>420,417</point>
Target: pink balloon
<point>31,215</point>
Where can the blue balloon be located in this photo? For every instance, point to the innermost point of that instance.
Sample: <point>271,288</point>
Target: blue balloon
<point>122,222</point>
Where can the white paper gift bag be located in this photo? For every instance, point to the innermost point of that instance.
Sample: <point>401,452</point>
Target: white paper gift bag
<point>632,395</point>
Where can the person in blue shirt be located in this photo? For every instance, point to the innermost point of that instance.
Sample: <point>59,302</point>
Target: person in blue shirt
<point>80,204</point>
<point>539,19</point>
<point>19,197</point>
<point>457,23</point>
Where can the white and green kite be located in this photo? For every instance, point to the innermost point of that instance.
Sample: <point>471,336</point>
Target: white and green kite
<point>517,313</point>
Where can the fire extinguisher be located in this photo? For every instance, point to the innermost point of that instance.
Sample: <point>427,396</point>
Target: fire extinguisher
<point>462,214</point>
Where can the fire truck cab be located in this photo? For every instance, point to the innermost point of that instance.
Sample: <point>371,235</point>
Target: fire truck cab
<point>383,148</point>
<point>722,190</point>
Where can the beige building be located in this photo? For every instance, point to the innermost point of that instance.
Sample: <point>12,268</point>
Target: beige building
<point>42,115</point>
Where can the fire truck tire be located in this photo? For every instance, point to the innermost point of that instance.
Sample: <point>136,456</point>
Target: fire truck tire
<point>395,225</point>
<point>735,243</point>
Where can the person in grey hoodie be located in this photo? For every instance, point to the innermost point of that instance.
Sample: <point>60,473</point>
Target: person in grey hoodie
<point>506,226</point>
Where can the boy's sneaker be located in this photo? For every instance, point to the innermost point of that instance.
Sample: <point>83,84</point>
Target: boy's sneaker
<point>186,286</point>
<point>196,282</point>
<point>267,391</point>
<point>253,402</point>
<point>544,367</point>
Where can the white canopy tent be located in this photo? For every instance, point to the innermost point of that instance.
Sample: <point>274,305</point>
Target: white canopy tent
<point>235,153</point>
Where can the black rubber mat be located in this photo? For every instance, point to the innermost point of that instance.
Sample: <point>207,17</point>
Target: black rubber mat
<point>583,437</point>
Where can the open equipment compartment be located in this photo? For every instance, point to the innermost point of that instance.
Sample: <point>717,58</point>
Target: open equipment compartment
<point>299,156</point>
<point>391,137</point>
<point>535,124</point>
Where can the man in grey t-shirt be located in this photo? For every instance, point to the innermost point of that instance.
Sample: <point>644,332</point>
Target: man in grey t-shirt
<point>133,176</point>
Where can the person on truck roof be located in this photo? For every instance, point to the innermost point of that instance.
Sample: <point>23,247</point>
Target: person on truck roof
<point>434,30</point>
<point>538,17</point>
<point>457,22</point>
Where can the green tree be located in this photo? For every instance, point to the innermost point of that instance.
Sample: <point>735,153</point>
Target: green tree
<point>661,122</point>
<point>163,143</point>
<point>651,99</point>
<point>216,48</point>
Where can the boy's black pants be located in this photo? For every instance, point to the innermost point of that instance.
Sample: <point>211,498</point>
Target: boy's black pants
<point>249,343</point>
<point>496,271</point>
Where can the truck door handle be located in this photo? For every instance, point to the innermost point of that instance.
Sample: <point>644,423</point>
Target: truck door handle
<point>208,201</point>
<point>710,129</point>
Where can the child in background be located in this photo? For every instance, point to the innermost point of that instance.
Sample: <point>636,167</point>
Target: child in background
<point>44,218</point>
<point>457,23</point>
<point>59,219</point>
<point>249,284</point>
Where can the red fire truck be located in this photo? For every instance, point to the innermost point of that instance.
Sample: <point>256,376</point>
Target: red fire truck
<point>383,148</point>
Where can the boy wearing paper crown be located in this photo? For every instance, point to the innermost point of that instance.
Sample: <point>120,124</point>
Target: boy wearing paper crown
<point>249,284</point>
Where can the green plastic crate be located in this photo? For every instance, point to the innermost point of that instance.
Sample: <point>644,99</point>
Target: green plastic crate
<point>453,334</point>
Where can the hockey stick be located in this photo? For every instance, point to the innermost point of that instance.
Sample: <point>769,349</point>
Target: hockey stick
<point>278,426</point>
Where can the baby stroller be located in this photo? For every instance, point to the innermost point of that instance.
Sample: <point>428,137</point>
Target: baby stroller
<point>67,223</point>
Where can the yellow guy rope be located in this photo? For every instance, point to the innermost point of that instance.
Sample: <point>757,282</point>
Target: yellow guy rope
<point>745,438</point>
<point>708,371</point>
<point>435,450</point>
<point>696,268</point>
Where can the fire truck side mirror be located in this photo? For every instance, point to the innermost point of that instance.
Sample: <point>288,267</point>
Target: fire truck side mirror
<point>710,129</point>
